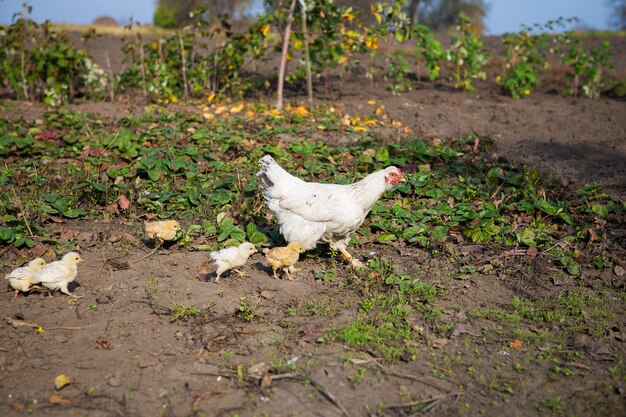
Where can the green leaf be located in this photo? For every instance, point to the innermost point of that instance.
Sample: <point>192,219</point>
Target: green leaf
<point>255,236</point>
<point>7,235</point>
<point>600,209</point>
<point>527,237</point>
<point>386,238</point>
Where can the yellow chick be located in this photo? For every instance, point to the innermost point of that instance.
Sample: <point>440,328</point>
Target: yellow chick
<point>285,258</point>
<point>57,275</point>
<point>20,278</point>
<point>232,257</point>
<point>161,230</point>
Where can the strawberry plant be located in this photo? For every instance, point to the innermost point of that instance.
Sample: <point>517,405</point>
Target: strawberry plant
<point>40,64</point>
<point>587,66</point>
<point>467,55</point>
<point>525,59</point>
<point>429,49</point>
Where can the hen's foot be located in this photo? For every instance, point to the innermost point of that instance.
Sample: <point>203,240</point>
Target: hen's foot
<point>353,261</point>
<point>240,273</point>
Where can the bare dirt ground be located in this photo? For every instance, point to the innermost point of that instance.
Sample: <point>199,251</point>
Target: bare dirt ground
<point>127,354</point>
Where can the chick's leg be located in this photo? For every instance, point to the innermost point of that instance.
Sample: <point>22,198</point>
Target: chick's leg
<point>240,273</point>
<point>64,290</point>
<point>219,272</point>
<point>353,261</point>
<point>274,271</point>
<point>15,296</point>
<point>287,274</point>
<point>293,269</point>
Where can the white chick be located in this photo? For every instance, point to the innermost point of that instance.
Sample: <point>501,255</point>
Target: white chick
<point>57,275</point>
<point>162,230</point>
<point>232,257</point>
<point>20,278</point>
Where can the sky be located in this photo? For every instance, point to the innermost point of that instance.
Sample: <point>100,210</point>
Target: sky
<point>503,15</point>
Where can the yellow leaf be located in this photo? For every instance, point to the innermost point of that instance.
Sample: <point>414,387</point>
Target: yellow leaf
<point>208,116</point>
<point>370,123</point>
<point>40,330</point>
<point>265,30</point>
<point>348,16</point>
<point>276,113</point>
<point>359,129</point>
<point>220,109</point>
<point>343,59</point>
<point>174,99</point>
<point>300,111</point>
<point>378,17</point>
<point>211,97</point>
<point>236,109</point>
<point>298,44</point>
<point>61,380</point>
<point>372,102</point>
<point>320,127</point>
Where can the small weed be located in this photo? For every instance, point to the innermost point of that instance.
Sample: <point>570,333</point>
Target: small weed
<point>244,310</point>
<point>182,313</point>
<point>551,404</point>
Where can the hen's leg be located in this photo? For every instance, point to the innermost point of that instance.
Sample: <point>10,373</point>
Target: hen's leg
<point>274,271</point>
<point>15,296</point>
<point>353,261</point>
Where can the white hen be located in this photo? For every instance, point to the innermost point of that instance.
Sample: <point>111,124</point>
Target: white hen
<point>20,278</point>
<point>231,257</point>
<point>310,212</point>
<point>57,275</point>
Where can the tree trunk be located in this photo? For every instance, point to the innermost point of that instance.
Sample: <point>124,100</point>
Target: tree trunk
<point>307,57</point>
<point>283,57</point>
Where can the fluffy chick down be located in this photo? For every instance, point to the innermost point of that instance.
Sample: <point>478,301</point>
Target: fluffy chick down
<point>232,257</point>
<point>57,275</point>
<point>20,279</point>
<point>284,257</point>
<point>161,230</point>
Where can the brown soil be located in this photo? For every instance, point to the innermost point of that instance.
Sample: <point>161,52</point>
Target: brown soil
<point>120,345</point>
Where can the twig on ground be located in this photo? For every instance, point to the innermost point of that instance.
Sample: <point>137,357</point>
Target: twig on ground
<point>148,255</point>
<point>515,252</point>
<point>318,386</point>
<point>20,323</point>
<point>388,371</point>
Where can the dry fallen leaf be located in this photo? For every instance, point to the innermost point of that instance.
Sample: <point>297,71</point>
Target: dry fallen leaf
<point>123,201</point>
<point>266,381</point>
<point>61,380</point>
<point>516,344</point>
<point>59,399</point>
<point>103,343</point>
<point>17,407</point>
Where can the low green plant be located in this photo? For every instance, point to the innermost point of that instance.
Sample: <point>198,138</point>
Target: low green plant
<point>467,55</point>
